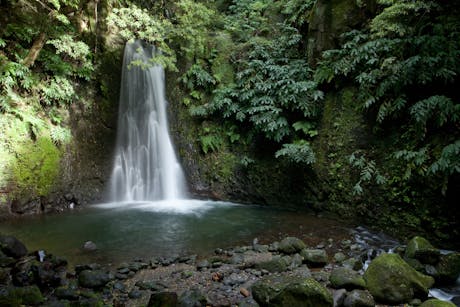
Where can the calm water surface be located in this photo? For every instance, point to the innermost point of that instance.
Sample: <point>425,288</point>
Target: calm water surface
<point>142,230</point>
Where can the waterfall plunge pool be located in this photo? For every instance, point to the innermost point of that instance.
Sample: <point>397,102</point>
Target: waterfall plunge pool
<point>131,230</point>
<point>125,231</point>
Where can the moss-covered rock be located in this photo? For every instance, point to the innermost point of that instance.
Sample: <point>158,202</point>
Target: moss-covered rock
<point>436,303</point>
<point>448,268</point>
<point>359,298</point>
<point>314,257</point>
<point>419,248</point>
<point>346,278</point>
<point>291,245</point>
<point>278,290</point>
<point>30,295</point>
<point>94,279</point>
<point>391,280</point>
<point>276,264</point>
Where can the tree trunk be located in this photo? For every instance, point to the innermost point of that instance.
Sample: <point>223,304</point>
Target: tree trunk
<point>35,50</point>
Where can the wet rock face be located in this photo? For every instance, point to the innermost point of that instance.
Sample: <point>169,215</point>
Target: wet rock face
<point>390,279</point>
<point>329,19</point>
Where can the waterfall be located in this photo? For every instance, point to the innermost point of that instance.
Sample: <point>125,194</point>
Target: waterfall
<point>145,166</point>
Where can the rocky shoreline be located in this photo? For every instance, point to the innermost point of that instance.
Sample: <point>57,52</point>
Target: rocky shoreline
<point>285,273</point>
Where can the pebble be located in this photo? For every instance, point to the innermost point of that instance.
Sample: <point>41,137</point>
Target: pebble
<point>244,292</point>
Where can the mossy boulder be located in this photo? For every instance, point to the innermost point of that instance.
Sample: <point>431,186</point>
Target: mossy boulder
<point>291,245</point>
<point>436,303</point>
<point>391,280</point>
<point>94,279</point>
<point>421,249</point>
<point>276,264</point>
<point>30,295</point>
<point>12,247</point>
<point>448,268</point>
<point>359,298</point>
<point>314,257</point>
<point>276,290</point>
<point>346,278</point>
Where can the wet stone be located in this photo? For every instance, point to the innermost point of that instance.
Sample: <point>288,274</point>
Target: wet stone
<point>148,285</point>
<point>135,294</point>
<point>121,276</point>
<point>118,286</point>
<point>123,270</point>
<point>203,264</point>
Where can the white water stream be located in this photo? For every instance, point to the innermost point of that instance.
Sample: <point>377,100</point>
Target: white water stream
<point>145,166</point>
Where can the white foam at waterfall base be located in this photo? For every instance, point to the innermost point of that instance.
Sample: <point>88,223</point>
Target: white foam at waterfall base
<point>176,206</point>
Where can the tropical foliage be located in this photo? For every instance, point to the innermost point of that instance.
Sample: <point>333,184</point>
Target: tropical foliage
<point>406,66</point>
<point>42,60</point>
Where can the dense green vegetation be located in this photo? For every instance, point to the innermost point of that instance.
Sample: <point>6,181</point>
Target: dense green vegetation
<point>43,60</point>
<point>248,80</point>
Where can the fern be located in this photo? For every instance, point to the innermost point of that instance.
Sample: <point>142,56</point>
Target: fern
<point>210,142</point>
<point>368,172</point>
<point>449,160</point>
<point>299,152</point>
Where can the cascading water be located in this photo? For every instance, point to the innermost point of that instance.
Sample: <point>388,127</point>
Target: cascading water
<point>145,166</point>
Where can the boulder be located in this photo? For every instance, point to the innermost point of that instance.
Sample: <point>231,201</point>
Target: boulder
<point>448,268</point>
<point>346,278</point>
<point>192,298</point>
<point>339,296</point>
<point>278,290</point>
<point>12,247</point>
<point>6,261</point>
<point>29,295</point>
<point>353,263</point>
<point>314,257</point>
<point>419,248</point>
<point>67,293</point>
<point>276,264</point>
<point>339,257</point>
<point>359,298</point>
<point>163,299</point>
<point>391,280</point>
<point>436,303</point>
<point>291,245</point>
<point>94,278</point>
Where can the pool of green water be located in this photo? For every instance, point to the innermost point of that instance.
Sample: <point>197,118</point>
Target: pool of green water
<point>163,229</point>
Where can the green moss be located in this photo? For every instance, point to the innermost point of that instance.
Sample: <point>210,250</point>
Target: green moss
<point>390,279</point>
<point>436,303</point>
<point>36,166</point>
<point>21,296</point>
